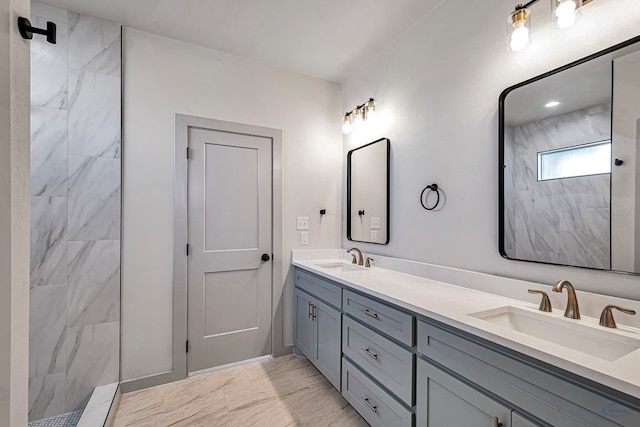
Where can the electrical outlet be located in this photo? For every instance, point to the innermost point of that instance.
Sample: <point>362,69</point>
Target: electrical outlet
<point>302,223</point>
<point>304,238</point>
<point>375,222</point>
<point>374,235</point>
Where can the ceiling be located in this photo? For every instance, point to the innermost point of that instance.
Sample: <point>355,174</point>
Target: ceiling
<point>329,39</point>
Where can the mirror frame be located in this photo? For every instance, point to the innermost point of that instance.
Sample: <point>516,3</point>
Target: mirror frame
<point>387,195</point>
<point>501,165</point>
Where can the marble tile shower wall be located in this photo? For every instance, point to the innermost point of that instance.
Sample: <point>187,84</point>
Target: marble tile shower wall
<point>562,221</point>
<point>75,211</point>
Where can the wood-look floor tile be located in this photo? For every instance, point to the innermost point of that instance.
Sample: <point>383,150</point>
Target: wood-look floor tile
<point>284,392</point>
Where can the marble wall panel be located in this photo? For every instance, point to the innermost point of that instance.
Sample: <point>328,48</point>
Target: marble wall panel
<point>94,198</point>
<point>75,157</point>
<point>48,241</point>
<point>94,45</point>
<point>49,64</point>
<point>47,396</point>
<point>48,326</point>
<point>48,152</point>
<point>92,360</point>
<point>94,114</point>
<point>93,282</point>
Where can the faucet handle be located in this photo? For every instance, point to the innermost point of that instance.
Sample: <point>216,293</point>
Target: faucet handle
<point>545,304</point>
<point>354,259</point>
<point>369,262</point>
<point>606,318</point>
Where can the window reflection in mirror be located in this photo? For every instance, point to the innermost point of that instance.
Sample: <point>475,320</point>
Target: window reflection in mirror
<point>568,155</point>
<point>368,193</point>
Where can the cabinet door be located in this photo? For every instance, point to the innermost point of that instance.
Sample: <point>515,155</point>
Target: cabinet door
<point>304,324</point>
<point>327,352</point>
<point>443,400</point>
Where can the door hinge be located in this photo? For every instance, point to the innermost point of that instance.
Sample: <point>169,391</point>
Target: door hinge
<point>188,153</point>
<point>187,249</point>
<point>187,346</point>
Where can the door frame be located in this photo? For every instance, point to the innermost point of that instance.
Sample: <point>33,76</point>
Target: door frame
<point>180,191</point>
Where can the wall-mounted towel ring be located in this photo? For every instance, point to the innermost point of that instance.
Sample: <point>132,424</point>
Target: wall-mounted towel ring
<point>423,201</point>
<point>361,213</point>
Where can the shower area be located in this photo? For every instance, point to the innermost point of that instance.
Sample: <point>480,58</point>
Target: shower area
<point>74,330</point>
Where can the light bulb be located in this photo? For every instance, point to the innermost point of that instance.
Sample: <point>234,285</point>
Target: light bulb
<point>371,109</point>
<point>346,127</point>
<point>358,121</point>
<point>519,37</point>
<point>566,8</point>
<point>565,12</point>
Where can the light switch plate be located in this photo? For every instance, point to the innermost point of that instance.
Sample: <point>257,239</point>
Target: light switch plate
<point>374,235</point>
<point>304,238</point>
<point>302,223</point>
<point>375,222</point>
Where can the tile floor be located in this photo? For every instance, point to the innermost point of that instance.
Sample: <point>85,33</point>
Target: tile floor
<point>282,392</point>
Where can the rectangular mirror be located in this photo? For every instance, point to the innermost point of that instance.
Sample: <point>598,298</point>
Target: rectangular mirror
<point>368,193</point>
<point>569,154</point>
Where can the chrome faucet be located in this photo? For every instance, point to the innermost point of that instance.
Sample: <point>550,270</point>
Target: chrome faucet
<point>360,260</point>
<point>572,311</point>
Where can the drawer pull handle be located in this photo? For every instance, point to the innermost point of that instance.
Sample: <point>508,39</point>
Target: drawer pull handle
<point>366,402</point>
<point>309,311</point>
<point>370,314</point>
<point>314,312</point>
<point>496,422</point>
<point>368,353</point>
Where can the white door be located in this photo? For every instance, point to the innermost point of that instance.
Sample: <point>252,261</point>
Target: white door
<point>229,274</point>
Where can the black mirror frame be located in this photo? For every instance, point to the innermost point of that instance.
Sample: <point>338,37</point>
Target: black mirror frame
<point>388,171</point>
<point>501,165</point>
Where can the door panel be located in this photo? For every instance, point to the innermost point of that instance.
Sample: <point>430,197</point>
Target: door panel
<point>231,308</point>
<point>232,209</point>
<point>229,214</point>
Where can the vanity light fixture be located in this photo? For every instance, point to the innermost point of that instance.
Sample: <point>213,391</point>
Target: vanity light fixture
<point>347,127</point>
<point>563,15</point>
<point>552,104</point>
<point>361,113</point>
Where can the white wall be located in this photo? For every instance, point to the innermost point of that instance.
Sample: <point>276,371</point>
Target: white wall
<point>163,77</point>
<point>14,215</point>
<point>437,90</point>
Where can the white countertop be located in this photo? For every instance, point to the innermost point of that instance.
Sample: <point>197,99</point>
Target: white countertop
<point>451,304</point>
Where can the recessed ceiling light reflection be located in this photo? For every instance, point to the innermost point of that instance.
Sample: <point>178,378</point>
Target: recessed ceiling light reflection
<point>552,104</point>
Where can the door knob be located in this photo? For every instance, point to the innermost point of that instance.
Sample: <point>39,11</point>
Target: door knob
<point>266,257</point>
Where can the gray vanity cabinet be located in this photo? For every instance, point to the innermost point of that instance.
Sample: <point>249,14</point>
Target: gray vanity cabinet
<point>399,369</point>
<point>317,334</point>
<point>445,401</point>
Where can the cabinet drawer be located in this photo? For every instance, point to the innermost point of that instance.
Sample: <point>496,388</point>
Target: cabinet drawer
<point>383,359</point>
<point>321,288</point>
<point>391,321</point>
<point>375,405</point>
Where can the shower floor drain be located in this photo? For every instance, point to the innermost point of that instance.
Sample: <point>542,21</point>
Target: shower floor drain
<point>66,420</point>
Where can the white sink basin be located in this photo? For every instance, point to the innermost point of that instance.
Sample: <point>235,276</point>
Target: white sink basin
<point>341,267</point>
<point>592,340</point>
